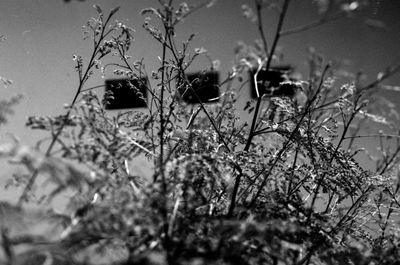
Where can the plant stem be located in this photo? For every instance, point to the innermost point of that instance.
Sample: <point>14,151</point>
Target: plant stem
<point>292,173</point>
<point>268,64</point>
<point>82,81</point>
<point>313,24</point>
<point>164,208</point>
<point>290,138</point>
<point>257,108</point>
<point>260,26</point>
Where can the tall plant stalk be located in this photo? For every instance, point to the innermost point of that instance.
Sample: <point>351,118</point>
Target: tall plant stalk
<point>83,77</point>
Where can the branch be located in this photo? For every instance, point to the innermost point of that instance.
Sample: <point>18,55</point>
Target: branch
<point>314,24</point>
<point>82,81</point>
<point>253,123</point>
<point>269,60</point>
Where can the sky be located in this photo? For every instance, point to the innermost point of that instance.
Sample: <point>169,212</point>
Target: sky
<point>43,35</point>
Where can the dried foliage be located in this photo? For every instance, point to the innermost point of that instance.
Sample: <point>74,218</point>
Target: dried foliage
<point>285,189</point>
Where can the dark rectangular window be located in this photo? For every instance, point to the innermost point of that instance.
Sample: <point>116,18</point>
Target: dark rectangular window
<point>269,82</point>
<point>205,85</point>
<point>126,93</point>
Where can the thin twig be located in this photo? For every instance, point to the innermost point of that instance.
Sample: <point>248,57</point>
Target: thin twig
<point>314,24</point>
<point>82,81</point>
<point>255,115</point>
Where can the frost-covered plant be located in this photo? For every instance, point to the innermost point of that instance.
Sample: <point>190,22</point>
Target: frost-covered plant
<point>284,189</point>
